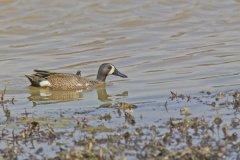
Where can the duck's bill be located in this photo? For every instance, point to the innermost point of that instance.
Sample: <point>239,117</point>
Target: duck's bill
<point>117,73</point>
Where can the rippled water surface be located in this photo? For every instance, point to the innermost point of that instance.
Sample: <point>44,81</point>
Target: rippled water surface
<point>180,45</point>
<point>185,46</point>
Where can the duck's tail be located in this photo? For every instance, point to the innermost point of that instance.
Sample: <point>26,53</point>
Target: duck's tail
<point>34,80</point>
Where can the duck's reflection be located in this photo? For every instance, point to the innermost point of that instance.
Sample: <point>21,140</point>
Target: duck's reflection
<point>48,96</point>
<point>102,94</point>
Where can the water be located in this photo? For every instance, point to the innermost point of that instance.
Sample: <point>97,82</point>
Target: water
<point>163,46</point>
<point>184,46</point>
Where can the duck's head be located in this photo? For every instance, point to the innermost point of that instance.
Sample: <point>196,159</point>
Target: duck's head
<point>108,69</point>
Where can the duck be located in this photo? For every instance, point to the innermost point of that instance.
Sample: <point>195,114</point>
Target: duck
<point>70,81</point>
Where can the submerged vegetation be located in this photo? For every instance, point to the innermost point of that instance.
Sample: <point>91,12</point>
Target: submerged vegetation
<point>116,133</point>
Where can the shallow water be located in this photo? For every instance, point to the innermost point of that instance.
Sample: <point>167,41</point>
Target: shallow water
<point>163,46</point>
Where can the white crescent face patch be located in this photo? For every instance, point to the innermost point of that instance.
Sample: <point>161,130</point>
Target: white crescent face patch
<point>112,70</point>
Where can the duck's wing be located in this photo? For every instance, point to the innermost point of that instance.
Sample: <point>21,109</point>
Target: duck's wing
<point>44,78</point>
<point>45,73</point>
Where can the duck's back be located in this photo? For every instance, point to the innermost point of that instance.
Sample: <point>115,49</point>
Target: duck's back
<point>70,82</point>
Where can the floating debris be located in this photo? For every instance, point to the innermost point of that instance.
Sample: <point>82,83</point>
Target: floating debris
<point>106,117</point>
<point>185,111</point>
<point>126,106</point>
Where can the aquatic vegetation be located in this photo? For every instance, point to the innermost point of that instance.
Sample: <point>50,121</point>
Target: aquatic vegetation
<point>114,131</point>
<point>5,101</point>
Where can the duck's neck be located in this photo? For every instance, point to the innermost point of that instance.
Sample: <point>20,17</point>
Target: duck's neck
<point>101,77</point>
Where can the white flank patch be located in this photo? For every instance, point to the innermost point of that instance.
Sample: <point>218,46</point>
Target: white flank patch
<point>45,84</point>
<point>112,70</point>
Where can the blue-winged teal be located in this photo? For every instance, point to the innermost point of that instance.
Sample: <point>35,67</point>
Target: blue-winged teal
<point>68,81</point>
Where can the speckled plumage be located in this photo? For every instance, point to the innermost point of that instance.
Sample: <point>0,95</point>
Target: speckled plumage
<point>68,81</point>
